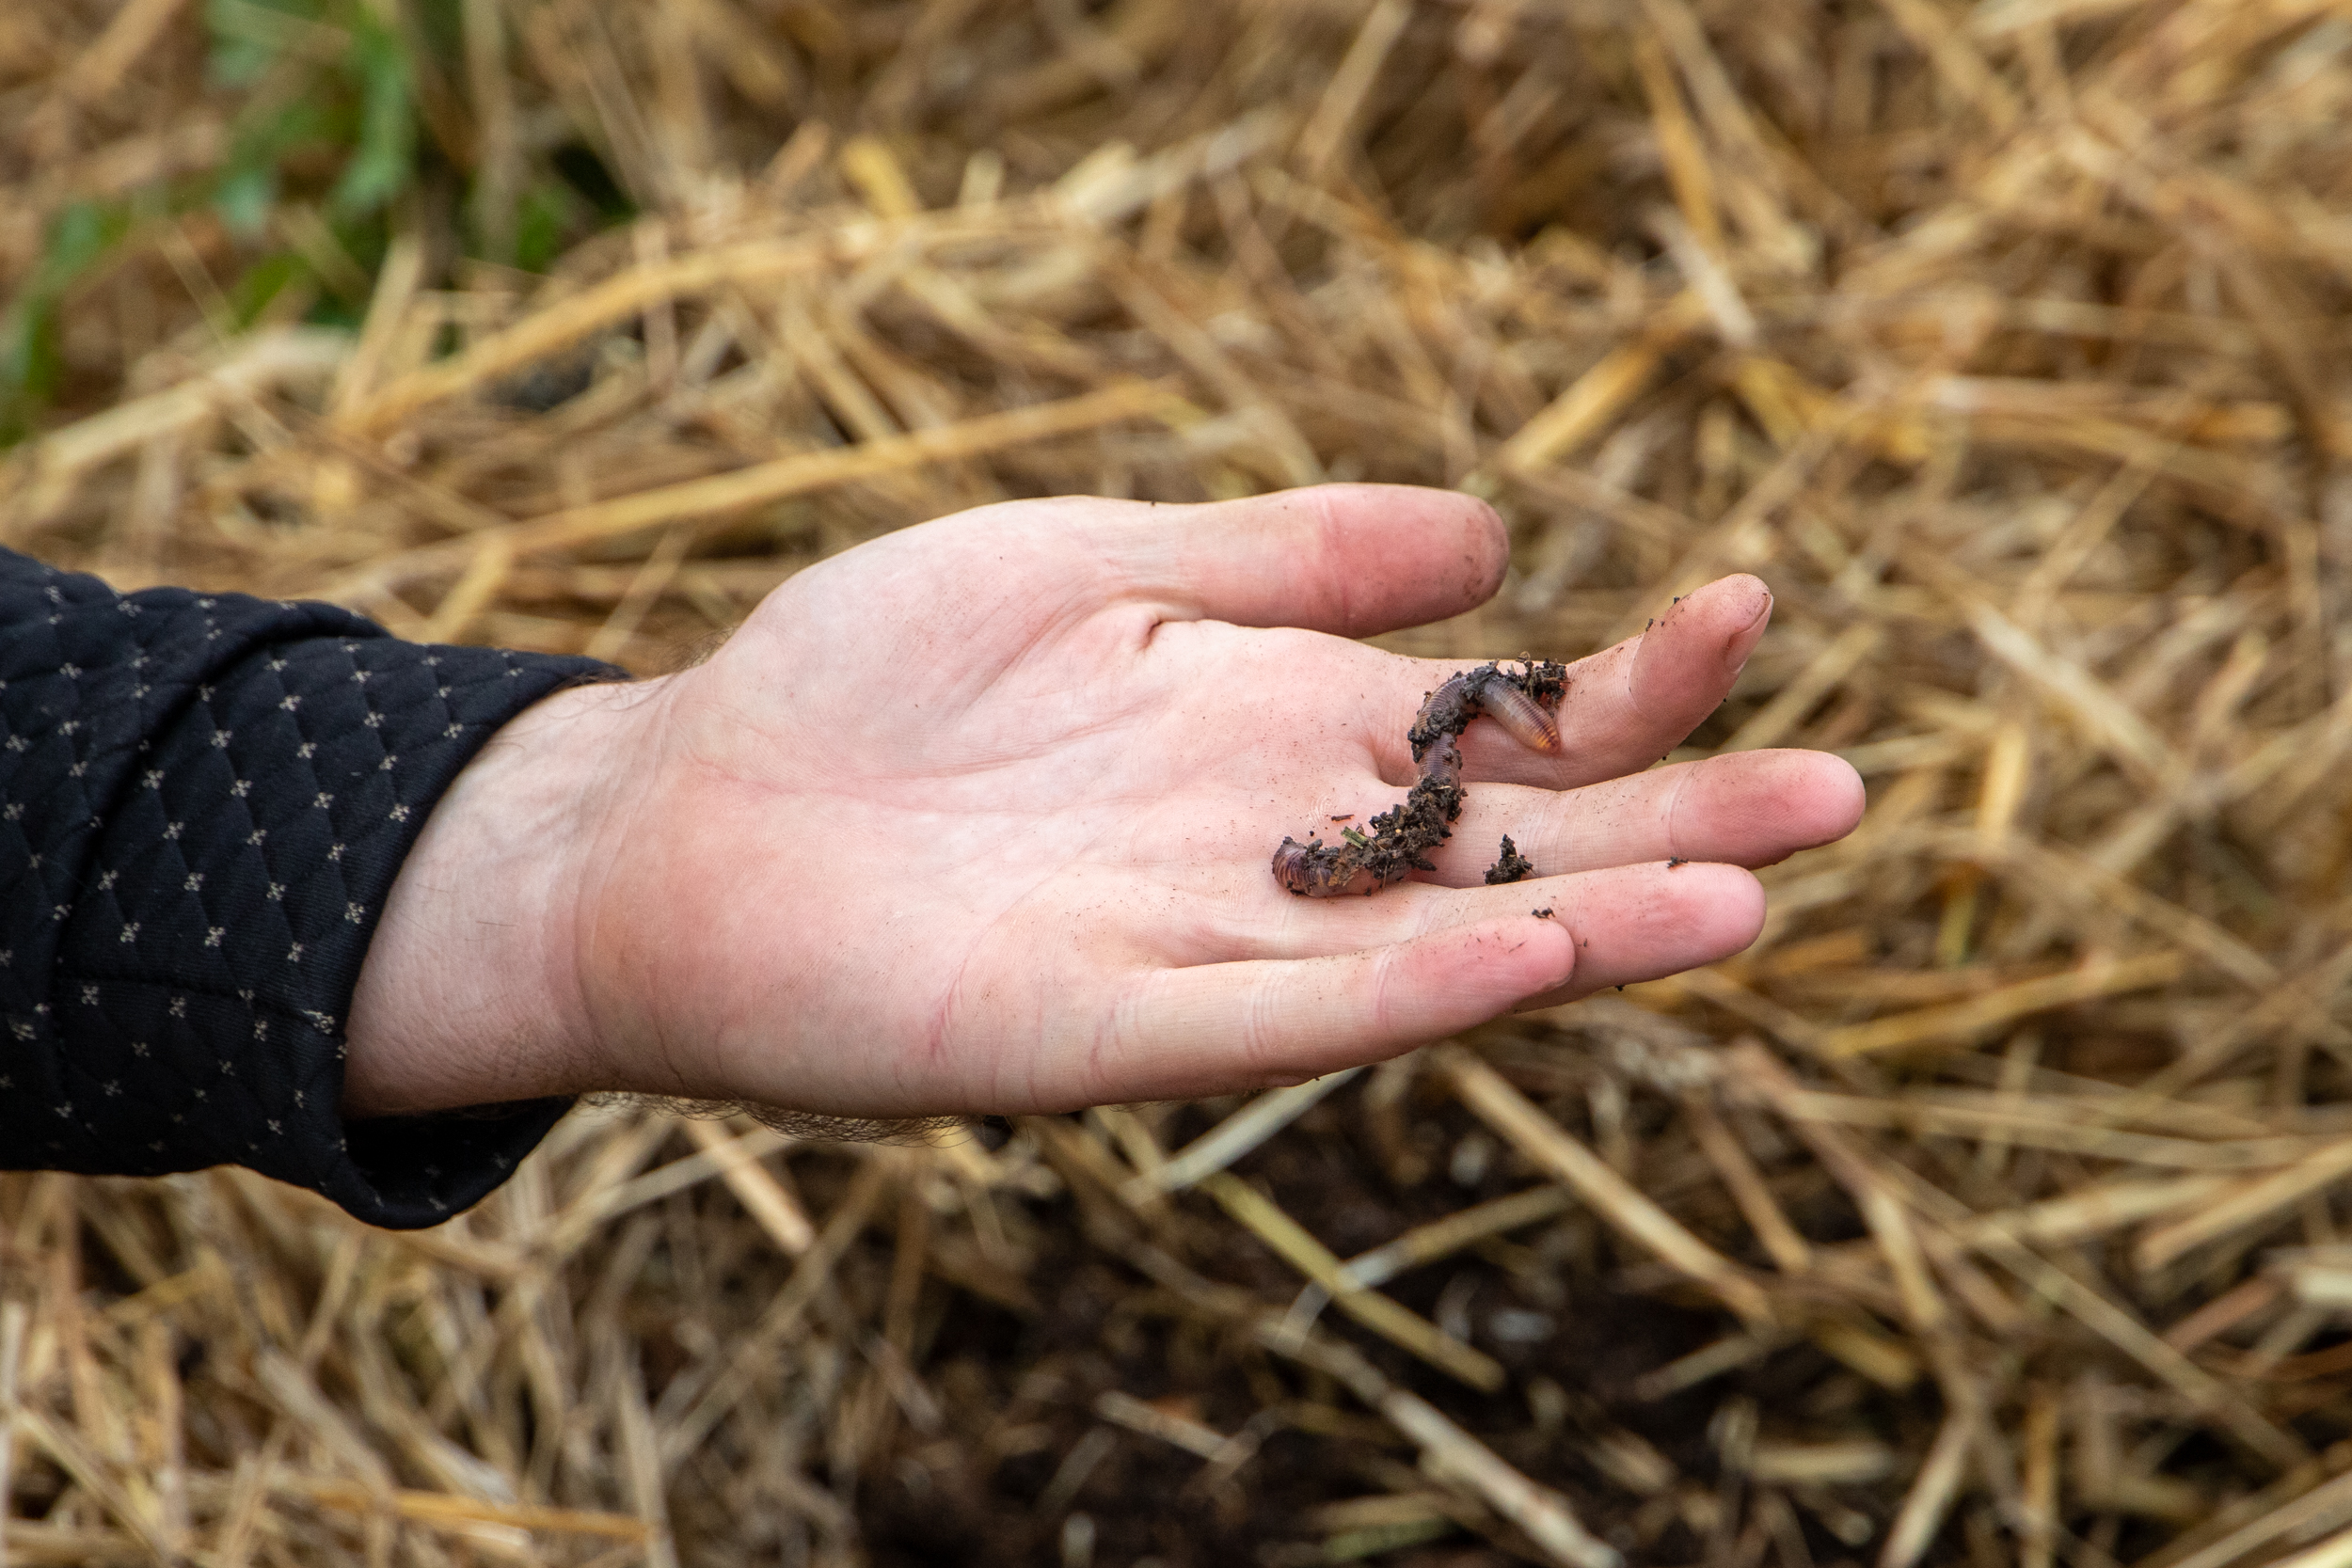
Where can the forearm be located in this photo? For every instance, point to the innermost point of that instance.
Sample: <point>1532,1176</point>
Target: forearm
<point>204,804</point>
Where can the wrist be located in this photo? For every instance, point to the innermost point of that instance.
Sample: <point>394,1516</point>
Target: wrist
<point>471,993</point>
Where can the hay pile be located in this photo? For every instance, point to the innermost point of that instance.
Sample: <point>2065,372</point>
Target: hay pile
<point>1990,1210</point>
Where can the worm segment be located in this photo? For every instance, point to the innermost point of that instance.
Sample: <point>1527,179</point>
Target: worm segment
<point>1521,701</point>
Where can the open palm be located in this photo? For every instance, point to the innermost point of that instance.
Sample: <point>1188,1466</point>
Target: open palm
<point>977,818</point>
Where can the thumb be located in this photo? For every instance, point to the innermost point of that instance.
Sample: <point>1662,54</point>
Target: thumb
<point>1348,559</point>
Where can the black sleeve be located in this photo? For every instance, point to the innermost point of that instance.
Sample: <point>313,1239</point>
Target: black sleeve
<point>203,803</point>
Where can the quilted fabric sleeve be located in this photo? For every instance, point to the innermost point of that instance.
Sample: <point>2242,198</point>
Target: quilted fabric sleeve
<point>203,803</point>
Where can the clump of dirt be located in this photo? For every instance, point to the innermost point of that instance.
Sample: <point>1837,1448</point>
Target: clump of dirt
<point>1510,866</point>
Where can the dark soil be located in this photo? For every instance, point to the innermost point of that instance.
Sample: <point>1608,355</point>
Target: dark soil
<point>1021,1455</point>
<point>1509,866</point>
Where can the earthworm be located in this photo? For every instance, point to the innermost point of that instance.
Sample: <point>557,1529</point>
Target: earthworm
<point>1521,701</point>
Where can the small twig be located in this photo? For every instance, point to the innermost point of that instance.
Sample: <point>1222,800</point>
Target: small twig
<point>1125,1409</point>
<point>1291,1241</point>
<point>1235,1136</point>
<point>1611,1196</point>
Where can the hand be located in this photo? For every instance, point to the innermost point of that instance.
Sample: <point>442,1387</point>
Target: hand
<point>978,817</point>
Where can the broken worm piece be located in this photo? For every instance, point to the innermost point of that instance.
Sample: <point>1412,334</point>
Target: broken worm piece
<point>1522,701</point>
<point>1516,712</point>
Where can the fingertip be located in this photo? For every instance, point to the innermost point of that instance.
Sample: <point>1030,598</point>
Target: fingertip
<point>1685,662</point>
<point>1498,959</point>
<point>1542,946</point>
<point>1670,915</point>
<point>1749,605</point>
<point>1645,922</point>
<point>1735,610</point>
<point>1771,803</point>
<point>1489,552</point>
<point>1743,907</point>
<point>1744,590</point>
<point>1500,964</point>
<point>1420,531</point>
<point>1844,795</point>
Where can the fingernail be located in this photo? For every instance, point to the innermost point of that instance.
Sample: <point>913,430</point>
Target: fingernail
<point>1742,643</point>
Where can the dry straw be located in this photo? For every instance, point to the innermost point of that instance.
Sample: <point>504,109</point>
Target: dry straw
<point>1990,1210</point>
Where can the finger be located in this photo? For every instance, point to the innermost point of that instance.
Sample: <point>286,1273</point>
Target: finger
<point>1347,558</point>
<point>1750,808</point>
<point>1630,922</point>
<point>1216,1029</point>
<point>1646,921</point>
<point>1625,707</point>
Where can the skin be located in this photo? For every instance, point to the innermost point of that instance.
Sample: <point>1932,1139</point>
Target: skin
<point>977,818</point>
